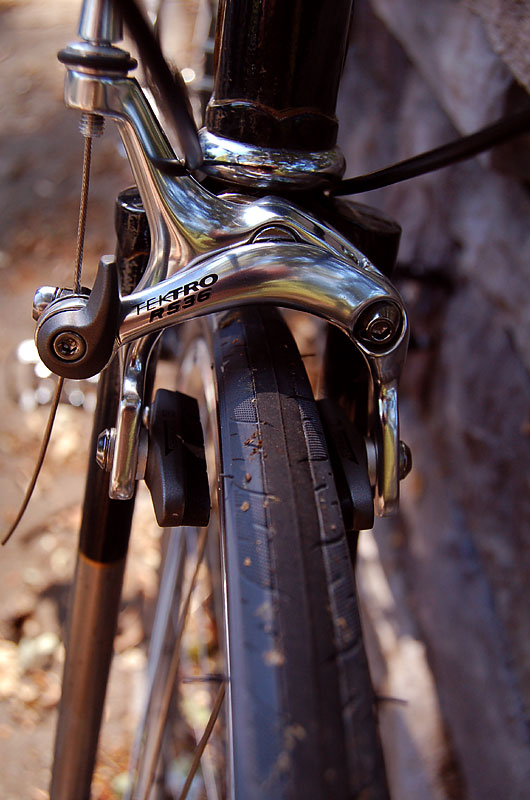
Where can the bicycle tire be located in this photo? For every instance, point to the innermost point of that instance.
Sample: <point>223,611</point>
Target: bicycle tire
<point>300,704</point>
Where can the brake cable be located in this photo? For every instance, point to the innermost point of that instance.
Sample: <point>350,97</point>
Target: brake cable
<point>458,150</point>
<point>91,126</point>
<point>169,83</point>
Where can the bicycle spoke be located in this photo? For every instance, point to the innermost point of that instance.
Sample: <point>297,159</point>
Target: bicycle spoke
<point>173,668</point>
<point>196,696</point>
<point>203,742</point>
<point>204,679</point>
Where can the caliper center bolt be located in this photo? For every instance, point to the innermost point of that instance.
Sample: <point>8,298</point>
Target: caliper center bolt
<point>405,460</point>
<point>69,346</point>
<point>379,324</point>
<point>380,330</point>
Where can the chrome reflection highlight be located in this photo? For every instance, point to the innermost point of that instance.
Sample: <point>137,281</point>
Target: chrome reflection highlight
<point>100,22</point>
<point>185,220</point>
<point>250,165</point>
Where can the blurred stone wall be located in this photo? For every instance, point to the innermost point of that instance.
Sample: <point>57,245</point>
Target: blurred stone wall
<point>419,73</point>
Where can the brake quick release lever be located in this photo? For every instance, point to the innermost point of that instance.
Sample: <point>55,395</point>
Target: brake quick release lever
<point>76,335</point>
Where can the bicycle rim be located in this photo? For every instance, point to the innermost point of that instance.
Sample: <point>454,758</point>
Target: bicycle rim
<point>297,720</point>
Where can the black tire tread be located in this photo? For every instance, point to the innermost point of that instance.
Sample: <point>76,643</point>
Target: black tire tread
<point>301,696</point>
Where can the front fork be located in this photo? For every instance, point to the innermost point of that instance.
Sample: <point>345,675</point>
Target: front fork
<point>101,556</point>
<point>94,608</point>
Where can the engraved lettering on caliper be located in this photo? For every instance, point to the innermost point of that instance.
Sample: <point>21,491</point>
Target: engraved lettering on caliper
<point>185,296</point>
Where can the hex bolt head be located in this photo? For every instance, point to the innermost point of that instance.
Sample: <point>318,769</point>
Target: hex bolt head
<point>405,460</point>
<point>69,346</point>
<point>379,324</point>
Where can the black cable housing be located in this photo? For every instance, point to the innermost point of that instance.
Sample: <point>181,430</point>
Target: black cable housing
<point>172,89</point>
<point>458,150</point>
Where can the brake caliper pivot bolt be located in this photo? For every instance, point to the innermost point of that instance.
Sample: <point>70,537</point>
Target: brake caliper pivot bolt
<point>379,324</point>
<point>69,346</point>
<point>405,460</point>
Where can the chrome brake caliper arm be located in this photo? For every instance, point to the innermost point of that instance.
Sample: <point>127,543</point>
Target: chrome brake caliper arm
<point>355,297</point>
<point>185,220</point>
<point>206,256</point>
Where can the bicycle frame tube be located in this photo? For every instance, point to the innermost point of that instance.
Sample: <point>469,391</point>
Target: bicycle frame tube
<point>94,604</point>
<point>277,75</point>
<point>278,66</point>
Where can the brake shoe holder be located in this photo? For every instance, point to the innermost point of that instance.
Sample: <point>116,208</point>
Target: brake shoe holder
<point>176,464</point>
<point>348,454</point>
<point>124,466</point>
